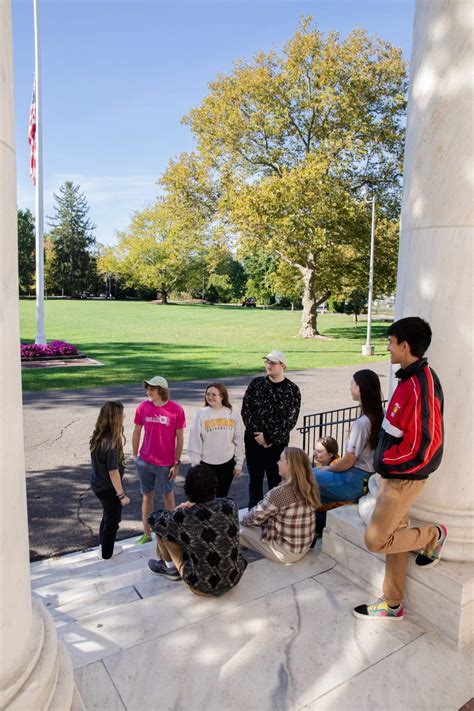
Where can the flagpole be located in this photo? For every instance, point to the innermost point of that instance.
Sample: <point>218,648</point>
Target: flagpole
<point>40,334</point>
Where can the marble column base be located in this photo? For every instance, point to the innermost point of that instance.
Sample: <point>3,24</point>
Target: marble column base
<point>443,595</point>
<point>460,545</point>
<point>47,681</point>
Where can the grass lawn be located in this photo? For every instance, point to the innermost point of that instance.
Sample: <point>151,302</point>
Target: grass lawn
<point>135,340</point>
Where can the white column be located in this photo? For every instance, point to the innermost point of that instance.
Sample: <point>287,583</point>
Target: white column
<point>32,662</point>
<point>15,584</point>
<point>436,245</point>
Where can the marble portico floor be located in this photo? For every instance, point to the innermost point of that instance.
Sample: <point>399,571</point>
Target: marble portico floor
<point>284,638</point>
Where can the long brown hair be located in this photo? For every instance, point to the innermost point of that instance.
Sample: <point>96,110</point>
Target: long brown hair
<point>370,401</point>
<point>109,428</point>
<point>224,393</point>
<point>301,477</point>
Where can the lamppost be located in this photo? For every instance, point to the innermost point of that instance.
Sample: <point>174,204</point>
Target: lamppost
<point>368,349</point>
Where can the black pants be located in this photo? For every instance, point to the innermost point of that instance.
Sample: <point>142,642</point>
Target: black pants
<point>261,461</point>
<point>224,474</point>
<point>110,520</point>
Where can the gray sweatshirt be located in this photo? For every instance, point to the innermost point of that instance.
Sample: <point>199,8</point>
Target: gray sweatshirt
<point>216,436</point>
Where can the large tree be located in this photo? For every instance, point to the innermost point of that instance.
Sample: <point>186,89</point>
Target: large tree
<point>293,138</point>
<point>154,254</point>
<point>177,243</point>
<point>26,250</point>
<point>73,263</point>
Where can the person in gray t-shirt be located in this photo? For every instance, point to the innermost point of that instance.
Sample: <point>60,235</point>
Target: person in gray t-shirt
<point>343,479</point>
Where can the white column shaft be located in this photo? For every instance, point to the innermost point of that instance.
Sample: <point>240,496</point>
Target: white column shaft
<point>15,603</point>
<point>435,260</point>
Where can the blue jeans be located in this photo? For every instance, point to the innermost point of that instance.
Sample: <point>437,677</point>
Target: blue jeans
<point>341,486</point>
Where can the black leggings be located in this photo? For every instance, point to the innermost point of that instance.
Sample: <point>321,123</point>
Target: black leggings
<point>110,520</point>
<point>224,474</point>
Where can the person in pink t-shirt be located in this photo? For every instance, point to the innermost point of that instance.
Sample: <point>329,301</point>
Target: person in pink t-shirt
<point>158,462</point>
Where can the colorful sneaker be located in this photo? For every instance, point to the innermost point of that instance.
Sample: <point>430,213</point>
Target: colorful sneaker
<point>158,567</point>
<point>379,610</point>
<point>428,557</point>
<point>144,539</point>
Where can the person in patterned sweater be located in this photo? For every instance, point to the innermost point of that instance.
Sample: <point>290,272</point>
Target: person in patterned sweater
<point>282,526</point>
<point>270,410</point>
<point>199,541</point>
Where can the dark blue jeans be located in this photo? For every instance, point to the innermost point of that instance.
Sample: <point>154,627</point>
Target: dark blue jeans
<point>341,486</point>
<point>338,486</point>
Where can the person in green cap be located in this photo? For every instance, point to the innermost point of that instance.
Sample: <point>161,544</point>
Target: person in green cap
<point>159,457</point>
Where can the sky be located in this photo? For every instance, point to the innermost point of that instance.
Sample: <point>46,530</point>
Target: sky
<point>119,75</point>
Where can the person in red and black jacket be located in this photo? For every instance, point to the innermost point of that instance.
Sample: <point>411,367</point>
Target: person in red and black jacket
<point>410,448</point>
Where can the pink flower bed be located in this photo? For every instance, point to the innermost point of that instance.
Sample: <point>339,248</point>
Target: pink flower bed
<point>53,349</point>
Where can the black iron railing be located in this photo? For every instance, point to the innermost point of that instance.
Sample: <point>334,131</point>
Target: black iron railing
<point>332,423</point>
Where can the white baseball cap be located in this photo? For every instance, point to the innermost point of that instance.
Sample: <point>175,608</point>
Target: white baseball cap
<point>157,381</point>
<point>276,357</point>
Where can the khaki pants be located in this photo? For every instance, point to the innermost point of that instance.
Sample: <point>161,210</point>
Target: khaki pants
<point>169,551</point>
<point>251,537</point>
<point>388,533</point>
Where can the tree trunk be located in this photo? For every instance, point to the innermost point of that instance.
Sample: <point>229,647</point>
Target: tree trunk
<point>309,317</point>
<point>164,297</point>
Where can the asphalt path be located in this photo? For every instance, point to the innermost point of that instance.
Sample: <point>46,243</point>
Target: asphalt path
<point>64,514</point>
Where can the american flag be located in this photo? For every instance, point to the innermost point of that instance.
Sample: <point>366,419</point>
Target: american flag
<point>32,135</point>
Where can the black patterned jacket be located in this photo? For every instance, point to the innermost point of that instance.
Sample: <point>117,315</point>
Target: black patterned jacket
<point>271,408</point>
<point>209,537</point>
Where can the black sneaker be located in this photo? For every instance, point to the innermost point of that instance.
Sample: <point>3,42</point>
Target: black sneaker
<point>158,567</point>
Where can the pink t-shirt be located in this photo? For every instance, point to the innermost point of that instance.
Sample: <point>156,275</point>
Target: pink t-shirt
<point>160,423</point>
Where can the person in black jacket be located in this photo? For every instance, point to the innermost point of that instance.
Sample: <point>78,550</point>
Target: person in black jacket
<point>270,410</point>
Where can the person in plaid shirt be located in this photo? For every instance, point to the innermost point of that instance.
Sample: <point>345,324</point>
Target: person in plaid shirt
<point>282,525</point>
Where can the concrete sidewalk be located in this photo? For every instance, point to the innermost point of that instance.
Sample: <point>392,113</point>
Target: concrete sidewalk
<point>63,513</point>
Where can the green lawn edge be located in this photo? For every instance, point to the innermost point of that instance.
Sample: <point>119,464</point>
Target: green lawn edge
<point>134,340</point>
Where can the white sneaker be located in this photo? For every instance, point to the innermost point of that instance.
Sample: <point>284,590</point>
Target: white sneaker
<point>117,549</point>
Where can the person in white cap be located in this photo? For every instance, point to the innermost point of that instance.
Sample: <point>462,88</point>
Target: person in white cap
<point>160,455</point>
<point>270,410</point>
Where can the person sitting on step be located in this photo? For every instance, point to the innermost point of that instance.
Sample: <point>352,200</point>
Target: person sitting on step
<point>199,540</point>
<point>282,525</point>
<point>325,452</point>
<point>344,479</point>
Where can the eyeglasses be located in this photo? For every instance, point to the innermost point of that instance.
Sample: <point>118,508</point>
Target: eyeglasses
<point>272,362</point>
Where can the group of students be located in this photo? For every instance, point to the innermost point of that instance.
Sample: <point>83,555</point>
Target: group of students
<point>199,540</point>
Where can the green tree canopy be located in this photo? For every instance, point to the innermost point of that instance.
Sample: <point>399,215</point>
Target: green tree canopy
<point>291,139</point>
<point>26,250</point>
<point>72,267</point>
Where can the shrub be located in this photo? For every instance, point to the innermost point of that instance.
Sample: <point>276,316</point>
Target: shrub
<point>49,350</point>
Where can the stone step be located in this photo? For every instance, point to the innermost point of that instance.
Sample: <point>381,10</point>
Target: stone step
<point>76,564</point>
<point>92,584</point>
<point>156,606</point>
<point>63,697</point>
<point>443,595</point>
